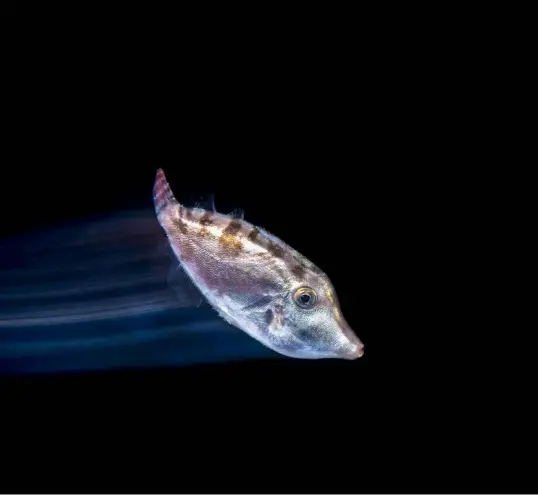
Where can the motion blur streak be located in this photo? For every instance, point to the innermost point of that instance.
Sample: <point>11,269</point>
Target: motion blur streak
<point>94,295</point>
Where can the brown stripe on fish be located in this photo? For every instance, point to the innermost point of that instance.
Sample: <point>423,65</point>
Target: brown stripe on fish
<point>207,218</point>
<point>253,234</point>
<point>270,261</point>
<point>228,239</point>
<point>298,270</point>
<point>275,249</point>
<point>233,227</point>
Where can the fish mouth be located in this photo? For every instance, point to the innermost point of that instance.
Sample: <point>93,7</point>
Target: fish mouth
<point>353,348</point>
<point>353,351</point>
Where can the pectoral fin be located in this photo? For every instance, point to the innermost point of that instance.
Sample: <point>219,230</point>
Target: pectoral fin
<point>187,294</point>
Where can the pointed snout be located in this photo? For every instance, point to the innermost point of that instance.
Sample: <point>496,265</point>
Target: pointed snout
<point>353,348</point>
<point>353,351</point>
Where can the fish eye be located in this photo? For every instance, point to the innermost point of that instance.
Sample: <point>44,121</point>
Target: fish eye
<point>305,297</point>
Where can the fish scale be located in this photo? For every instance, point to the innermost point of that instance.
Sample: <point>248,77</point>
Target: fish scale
<point>255,281</point>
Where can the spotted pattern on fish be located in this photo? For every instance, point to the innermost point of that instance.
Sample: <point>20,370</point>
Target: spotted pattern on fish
<point>251,278</point>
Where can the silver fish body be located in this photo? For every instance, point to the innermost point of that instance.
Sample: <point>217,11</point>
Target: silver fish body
<point>256,282</point>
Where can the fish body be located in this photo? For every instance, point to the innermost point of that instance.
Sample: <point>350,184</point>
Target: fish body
<point>255,281</point>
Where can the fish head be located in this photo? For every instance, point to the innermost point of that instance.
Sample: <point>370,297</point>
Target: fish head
<point>311,325</point>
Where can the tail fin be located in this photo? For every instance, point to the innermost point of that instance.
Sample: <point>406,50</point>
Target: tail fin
<point>162,195</point>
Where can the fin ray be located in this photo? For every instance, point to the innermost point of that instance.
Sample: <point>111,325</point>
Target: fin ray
<point>178,280</point>
<point>238,213</point>
<point>206,203</point>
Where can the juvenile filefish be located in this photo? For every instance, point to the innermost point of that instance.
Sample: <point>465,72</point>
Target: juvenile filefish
<point>255,281</point>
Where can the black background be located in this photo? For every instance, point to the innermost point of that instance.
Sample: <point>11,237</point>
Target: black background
<point>348,148</point>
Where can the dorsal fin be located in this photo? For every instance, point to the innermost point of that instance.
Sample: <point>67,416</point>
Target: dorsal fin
<point>238,213</point>
<point>206,202</point>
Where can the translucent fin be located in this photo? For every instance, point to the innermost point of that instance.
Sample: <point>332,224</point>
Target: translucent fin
<point>238,213</point>
<point>206,202</point>
<point>227,318</point>
<point>268,235</point>
<point>175,278</point>
<point>178,280</point>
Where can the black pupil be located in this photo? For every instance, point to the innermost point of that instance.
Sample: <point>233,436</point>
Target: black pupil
<point>305,298</point>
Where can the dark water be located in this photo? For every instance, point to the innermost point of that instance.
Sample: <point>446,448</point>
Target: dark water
<point>95,293</point>
<point>110,381</point>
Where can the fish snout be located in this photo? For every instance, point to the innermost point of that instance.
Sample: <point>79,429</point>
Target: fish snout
<point>352,348</point>
<point>352,351</point>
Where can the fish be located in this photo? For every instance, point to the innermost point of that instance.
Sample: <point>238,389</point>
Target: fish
<point>255,281</point>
